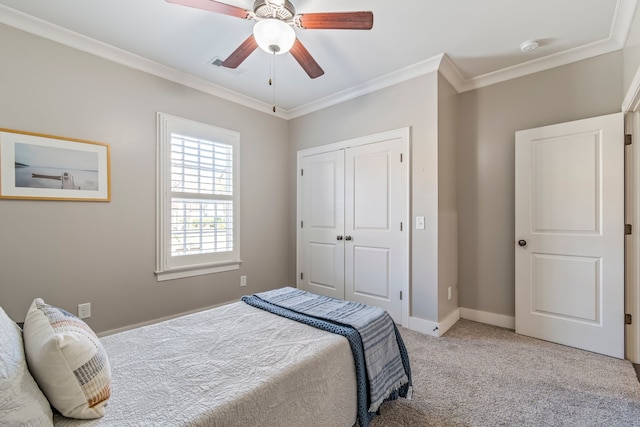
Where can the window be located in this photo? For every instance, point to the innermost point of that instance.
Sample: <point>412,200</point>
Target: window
<point>198,199</point>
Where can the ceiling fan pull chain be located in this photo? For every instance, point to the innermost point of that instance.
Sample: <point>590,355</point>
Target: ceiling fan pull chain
<point>271,70</point>
<point>272,79</point>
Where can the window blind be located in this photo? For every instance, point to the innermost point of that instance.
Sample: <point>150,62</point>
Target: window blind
<point>201,196</point>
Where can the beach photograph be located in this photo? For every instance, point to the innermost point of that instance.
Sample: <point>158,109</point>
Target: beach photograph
<point>38,166</point>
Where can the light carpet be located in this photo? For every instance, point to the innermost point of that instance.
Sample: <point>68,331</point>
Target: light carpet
<point>482,375</point>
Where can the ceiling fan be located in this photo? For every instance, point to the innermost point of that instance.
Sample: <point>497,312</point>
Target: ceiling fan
<point>273,31</point>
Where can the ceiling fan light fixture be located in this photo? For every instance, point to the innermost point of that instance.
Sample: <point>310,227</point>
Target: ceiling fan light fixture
<point>274,36</point>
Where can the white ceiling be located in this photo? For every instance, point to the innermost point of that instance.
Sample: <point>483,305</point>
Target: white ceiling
<point>475,43</point>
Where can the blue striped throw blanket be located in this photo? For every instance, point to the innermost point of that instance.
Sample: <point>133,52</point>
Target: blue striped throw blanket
<point>376,342</point>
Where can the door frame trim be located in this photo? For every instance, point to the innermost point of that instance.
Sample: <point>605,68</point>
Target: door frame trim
<point>405,136</point>
<point>632,243</point>
<point>631,108</point>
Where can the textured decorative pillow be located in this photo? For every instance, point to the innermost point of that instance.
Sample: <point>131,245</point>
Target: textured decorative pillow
<point>21,401</point>
<point>67,361</point>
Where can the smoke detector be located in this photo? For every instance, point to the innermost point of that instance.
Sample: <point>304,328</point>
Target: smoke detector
<point>529,46</point>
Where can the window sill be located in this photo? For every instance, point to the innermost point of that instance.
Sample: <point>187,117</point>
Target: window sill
<point>181,273</point>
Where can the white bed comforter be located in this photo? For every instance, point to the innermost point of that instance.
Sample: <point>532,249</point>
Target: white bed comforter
<point>235,365</point>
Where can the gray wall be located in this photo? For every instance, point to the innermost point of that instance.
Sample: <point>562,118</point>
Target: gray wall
<point>448,119</point>
<point>104,253</point>
<point>482,124</point>
<point>409,104</point>
<point>489,117</point>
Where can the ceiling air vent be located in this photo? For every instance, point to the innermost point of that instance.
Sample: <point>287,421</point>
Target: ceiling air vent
<point>217,62</point>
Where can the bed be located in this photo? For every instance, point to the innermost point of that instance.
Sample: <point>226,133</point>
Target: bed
<point>235,365</point>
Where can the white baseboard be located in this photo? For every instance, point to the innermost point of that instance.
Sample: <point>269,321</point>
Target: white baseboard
<point>423,326</point>
<point>151,322</point>
<point>417,324</point>
<point>432,328</point>
<point>500,320</point>
<point>449,321</point>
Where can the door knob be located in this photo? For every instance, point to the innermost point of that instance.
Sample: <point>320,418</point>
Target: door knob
<point>339,238</point>
<point>347,238</point>
<point>522,242</point>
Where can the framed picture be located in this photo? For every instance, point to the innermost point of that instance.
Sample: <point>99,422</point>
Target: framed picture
<point>46,167</point>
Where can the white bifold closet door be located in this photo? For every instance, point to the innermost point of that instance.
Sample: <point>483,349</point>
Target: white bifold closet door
<point>353,245</point>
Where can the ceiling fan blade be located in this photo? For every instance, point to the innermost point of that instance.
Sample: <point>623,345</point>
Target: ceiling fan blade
<point>241,53</point>
<point>306,61</point>
<point>337,21</point>
<point>214,6</point>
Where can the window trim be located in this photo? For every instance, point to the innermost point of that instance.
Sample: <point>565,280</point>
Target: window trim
<point>167,125</point>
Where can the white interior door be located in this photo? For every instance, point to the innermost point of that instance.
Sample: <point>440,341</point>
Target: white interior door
<point>569,232</point>
<point>374,244</point>
<point>321,255</point>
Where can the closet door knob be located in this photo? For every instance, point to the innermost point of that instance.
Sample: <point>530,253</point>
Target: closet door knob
<point>339,238</point>
<point>347,238</point>
<point>522,242</point>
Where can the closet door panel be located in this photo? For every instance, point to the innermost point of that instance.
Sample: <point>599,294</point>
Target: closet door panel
<point>371,271</point>
<point>322,249</point>
<point>373,216</point>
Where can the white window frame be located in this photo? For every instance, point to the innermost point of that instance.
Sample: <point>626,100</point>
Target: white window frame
<point>170,267</point>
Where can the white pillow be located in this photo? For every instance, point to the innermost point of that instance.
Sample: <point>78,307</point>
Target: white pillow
<point>67,361</point>
<point>21,401</point>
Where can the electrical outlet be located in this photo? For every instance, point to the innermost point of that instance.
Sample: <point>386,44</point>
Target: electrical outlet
<point>449,292</point>
<point>243,280</point>
<point>84,310</point>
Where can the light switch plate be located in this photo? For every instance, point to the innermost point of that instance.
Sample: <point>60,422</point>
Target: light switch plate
<point>419,223</point>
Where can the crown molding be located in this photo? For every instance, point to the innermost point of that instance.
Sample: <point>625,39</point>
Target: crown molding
<point>541,64</point>
<point>631,101</point>
<point>622,21</point>
<point>47,30</point>
<point>450,72</point>
<point>620,28</point>
<point>412,71</point>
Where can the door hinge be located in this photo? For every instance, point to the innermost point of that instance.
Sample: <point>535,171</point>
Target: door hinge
<point>628,139</point>
<point>301,224</point>
<point>301,276</point>
<point>400,157</point>
<point>628,319</point>
<point>628,229</point>
<point>301,172</point>
<point>400,295</point>
<point>400,226</point>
